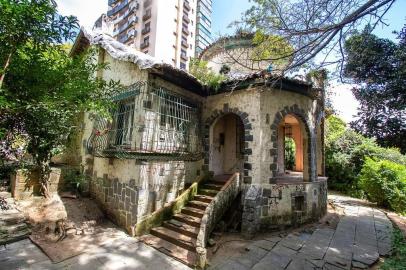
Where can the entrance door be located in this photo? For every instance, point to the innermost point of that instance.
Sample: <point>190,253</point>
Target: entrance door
<point>227,145</point>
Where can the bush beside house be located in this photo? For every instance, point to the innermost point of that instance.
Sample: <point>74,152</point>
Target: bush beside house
<point>358,166</point>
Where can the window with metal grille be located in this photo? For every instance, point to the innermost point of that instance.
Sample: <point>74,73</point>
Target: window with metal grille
<point>148,120</point>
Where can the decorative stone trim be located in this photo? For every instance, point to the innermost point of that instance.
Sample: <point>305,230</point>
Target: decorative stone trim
<point>311,149</point>
<point>248,137</point>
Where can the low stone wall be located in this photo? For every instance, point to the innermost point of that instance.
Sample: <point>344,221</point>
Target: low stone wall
<point>118,200</point>
<point>25,184</point>
<point>214,213</point>
<point>129,191</point>
<point>274,206</point>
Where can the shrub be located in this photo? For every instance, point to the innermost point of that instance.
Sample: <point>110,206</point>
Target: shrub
<point>384,182</point>
<point>346,153</point>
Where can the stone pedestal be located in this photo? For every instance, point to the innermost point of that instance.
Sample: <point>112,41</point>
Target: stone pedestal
<point>25,184</point>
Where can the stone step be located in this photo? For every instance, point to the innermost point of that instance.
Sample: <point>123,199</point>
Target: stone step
<point>183,255</point>
<point>190,220</point>
<point>197,204</point>
<point>11,218</point>
<point>212,186</point>
<point>181,227</point>
<point>6,238</point>
<point>12,229</point>
<point>203,198</point>
<point>175,238</point>
<point>193,212</point>
<point>208,192</point>
<point>221,178</point>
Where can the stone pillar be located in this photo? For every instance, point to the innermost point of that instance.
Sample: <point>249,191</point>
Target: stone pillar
<point>251,211</point>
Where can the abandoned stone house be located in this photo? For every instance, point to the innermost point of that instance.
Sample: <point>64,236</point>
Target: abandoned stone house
<point>176,155</point>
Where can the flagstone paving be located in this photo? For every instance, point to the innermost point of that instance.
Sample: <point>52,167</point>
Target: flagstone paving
<point>362,235</point>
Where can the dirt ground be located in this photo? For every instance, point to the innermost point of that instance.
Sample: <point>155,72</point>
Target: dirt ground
<point>66,227</point>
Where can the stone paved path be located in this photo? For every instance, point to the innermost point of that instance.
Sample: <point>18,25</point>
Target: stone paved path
<point>362,235</point>
<point>121,253</point>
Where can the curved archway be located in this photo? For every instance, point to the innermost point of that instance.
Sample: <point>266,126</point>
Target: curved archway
<point>247,138</point>
<point>304,140</point>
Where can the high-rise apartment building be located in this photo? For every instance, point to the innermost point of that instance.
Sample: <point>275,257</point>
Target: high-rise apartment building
<point>203,25</point>
<point>165,29</point>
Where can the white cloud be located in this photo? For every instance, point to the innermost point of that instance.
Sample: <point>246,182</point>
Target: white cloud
<point>87,11</point>
<point>344,101</point>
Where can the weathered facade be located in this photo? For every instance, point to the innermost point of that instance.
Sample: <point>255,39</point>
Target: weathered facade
<point>168,131</point>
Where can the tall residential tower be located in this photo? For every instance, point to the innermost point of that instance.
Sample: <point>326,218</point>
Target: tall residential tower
<point>203,26</point>
<point>165,29</point>
<point>170,30</point>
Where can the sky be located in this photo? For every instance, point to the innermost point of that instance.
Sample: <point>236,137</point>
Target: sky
<point>227,11</point>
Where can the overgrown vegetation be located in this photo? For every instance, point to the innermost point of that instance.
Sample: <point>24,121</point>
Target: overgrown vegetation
<point>398,259</point>
<point>360,167</point>
<point>384,182</point>
<point>42,88</point>
<point>200,69</point>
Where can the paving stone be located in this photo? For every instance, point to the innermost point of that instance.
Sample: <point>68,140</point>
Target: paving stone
<point>264,244</point>
<point>338,260</point>
<point>366,254</point>
<point>277,260</point>
<point>328,266</point>
<point>359,265</point>
<point>256,253</point>
<point>384,249</point>
<point>230,265</point>
<point>292,242</point>
<point>247,260</point>
<point>300,264</point>
<point>274,239</point>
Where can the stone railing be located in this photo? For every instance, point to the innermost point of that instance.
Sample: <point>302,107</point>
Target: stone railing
<point>170,209</point>
<point>213,213</point>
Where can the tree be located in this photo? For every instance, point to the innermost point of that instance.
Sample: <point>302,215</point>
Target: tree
<point>204,74</point>
<point>310,27</point>
<point>44,89</point>
<point>378,67</point>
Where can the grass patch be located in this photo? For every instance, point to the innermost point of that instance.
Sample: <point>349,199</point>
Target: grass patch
<point>398,259</point>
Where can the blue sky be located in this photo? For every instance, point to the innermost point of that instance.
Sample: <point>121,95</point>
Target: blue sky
<point>226,11</point>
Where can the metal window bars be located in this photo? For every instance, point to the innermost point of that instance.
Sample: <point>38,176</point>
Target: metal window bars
<point>148,123</point>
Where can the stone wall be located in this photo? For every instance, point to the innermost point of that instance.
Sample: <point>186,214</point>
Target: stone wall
<point>129,190</point>
<point>274,206</point>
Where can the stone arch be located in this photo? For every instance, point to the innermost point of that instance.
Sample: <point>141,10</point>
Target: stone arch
<point>300,114</point>
<point>248,138</point>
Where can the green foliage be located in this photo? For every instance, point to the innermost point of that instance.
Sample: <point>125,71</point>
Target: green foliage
<point>346,152</point>
<point>204,74</point>
<point>384,182</point>
<point>290,153</point>
<point>378,66</point>
<point>44,88</point>
<point>274,48</point>
<point>75,180</point>
<point>397,261</point>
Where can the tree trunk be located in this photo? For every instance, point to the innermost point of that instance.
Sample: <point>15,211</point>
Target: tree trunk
<point>44,173</point>
<point>5,68</point>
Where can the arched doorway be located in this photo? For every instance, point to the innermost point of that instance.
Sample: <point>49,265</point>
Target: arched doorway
<point>227,145</point>
<point>293,148</point>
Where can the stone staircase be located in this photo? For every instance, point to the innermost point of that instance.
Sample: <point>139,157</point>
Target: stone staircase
<point>13,226</point>
<point>177,237</point>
